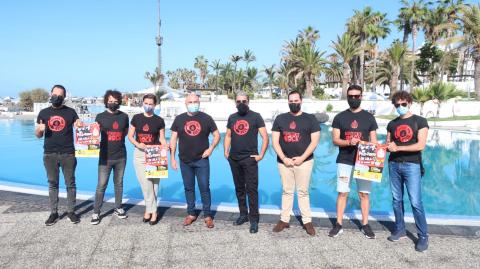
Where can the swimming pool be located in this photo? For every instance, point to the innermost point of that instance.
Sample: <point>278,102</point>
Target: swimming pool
<point>451,185</point>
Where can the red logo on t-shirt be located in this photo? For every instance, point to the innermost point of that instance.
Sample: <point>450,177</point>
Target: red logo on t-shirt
<point>114,136</point>
<point>404,133</point>
<point>145,138</point>
<point>291,137</point>
<point>56,123</point>
<point>146,128</point>
<point>293,125</point>
<point>354,124</point>
<point>241,127</point>
<point>115,125</point>
<point>192,128</point>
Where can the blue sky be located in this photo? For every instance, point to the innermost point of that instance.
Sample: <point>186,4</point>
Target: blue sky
<point>91,46</point>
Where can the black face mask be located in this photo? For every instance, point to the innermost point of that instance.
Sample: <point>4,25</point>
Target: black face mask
<point>354,103</point>
<point>56,100</point>
<point>294,107</point>
<point>113,106</point>
<point>242,109</point>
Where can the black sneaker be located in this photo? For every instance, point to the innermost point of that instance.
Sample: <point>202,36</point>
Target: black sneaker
<point>73,218</point>
<point>336,230</point>
<point>241,220</point>
<point>95,219</point>
<point>367,231</point>
<point>120,213</point>
<point>253,227</point>
<point>52,219</point>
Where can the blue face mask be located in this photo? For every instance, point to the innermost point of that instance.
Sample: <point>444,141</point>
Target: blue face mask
<point>193,108</point>
<point>148,109</point>
<point>402,110</point>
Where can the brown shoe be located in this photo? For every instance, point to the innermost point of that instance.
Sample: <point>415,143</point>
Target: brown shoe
<point>280,226</point>
<point>209,222</point>
<point>309,228</point>
<point>189,220</point>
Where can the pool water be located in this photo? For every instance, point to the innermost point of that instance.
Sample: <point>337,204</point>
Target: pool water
<point>451,185</point>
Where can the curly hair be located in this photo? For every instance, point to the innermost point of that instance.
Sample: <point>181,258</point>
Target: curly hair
<point>402,95</point>
<point>113,93</point>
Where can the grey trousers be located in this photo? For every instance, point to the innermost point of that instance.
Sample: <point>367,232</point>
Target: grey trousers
<point>67,162</point>
<point>149,186</point>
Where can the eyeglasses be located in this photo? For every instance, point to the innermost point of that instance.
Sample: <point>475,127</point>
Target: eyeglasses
<point>241,101</point>
<point>401,104</point>
<point>354,96</point>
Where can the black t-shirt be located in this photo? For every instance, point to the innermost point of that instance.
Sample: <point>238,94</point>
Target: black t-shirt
<point>113,127</point>
<point>295,133</point>
<point>58,129</point>
<point>404,132</point>
<point>147,129</point>
<point>353,125</point>
<point>244,130</point>
<point>193,132</point>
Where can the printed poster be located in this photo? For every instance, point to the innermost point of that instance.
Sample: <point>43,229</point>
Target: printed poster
<point>156,162</point>
<point>87,141</point>
<point>370,161</point>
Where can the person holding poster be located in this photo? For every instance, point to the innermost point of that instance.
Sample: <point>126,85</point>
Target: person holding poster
<point>55,124</point>
<point>241,151</point>
<point>295,136</point>
<point>192,129</point>
<point>147,129</point>
<point>406,138</point>
<point>113,154</point>
<point>348,129</point>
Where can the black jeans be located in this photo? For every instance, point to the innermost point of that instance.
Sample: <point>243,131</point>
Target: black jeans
<point>53,162</point>
<point>105,167</point>
<point>245,177</point>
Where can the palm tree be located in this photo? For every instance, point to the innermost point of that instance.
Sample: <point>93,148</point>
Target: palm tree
<point>421,95</point>
<point>450,9</point>
<point>378,29</point>
<point>415,13</point>
<point>216,66</point>
<point>395,55</point>
<point>155,78</point>
<point>360,25</point>
<point>403,24</point>
<point>227,72</point>
<point>431,25</point>
<point>202,65</point>
<point>309,34</point>
<point>308,63</point>
<point>235,59</point>
<point>471,24</point>
<point>251,78</point>
<point>443,92</point>
<point>347,48</point>
<point>248,57</point>
<point>270,72</point>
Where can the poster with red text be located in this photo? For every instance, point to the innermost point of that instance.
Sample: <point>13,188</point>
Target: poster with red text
<point>370,161</point>
<point>156,162</point>
<point>87,141</point>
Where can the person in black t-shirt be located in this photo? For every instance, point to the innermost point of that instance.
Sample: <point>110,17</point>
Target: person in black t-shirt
<point>55,124</point>
<point>241,151</point>
<point>192,130</point>
<point>113,154</point>
<point>349,128</point>
<point>295,136</point>
<point>147,129</point>
<point>406,138</point>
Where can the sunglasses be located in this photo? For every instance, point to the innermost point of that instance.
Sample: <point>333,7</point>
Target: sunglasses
<point>354,96</point>
<point>401,104</point>
<point>241,101</point>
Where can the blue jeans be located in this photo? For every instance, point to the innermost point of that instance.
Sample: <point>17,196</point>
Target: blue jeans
<point>408,174</point>
<point>200,169</point>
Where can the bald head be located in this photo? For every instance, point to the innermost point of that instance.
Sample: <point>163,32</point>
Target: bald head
<point>192,98</point>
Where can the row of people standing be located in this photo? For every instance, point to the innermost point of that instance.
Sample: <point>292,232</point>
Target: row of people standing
<point>295,135</point>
